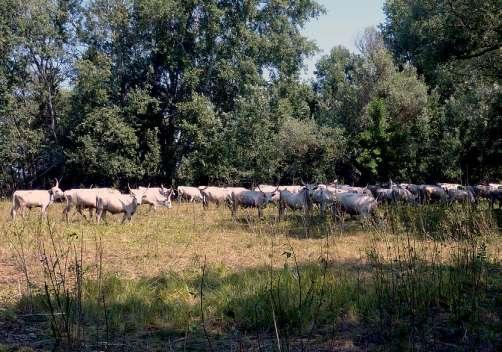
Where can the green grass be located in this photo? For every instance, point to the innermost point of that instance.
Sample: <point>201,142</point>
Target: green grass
<point>412,278</point>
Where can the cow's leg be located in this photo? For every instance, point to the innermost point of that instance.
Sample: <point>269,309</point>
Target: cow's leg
<point>13,213</point>
<point>99,213</point>
<point>281,210</point>
<point>43,211</point>
<point>260,213</point>
<point>125,217</point>
<point>66,210</point>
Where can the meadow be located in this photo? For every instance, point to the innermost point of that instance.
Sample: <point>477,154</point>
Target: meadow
<point>411,278</point>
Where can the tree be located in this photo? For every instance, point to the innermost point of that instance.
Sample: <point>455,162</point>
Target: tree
<point>178,52</point>
<point>456,44</point>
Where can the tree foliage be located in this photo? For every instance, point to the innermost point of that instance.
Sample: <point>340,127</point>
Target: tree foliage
<point>203,91</point>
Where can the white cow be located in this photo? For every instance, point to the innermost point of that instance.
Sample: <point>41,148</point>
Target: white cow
<point>356,204</point>
<point>191,194</point>
<point>219,195</point>
<point>22,199</point>
<point>157,196</point>
<point>252,199</point>
<point>296,201</point>
<point>270,188</point>
<point>83,198</point>
<point>323,197</point>
<point>118,203</point>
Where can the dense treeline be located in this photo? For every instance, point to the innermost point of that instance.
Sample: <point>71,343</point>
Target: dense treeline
<point>209,91</point>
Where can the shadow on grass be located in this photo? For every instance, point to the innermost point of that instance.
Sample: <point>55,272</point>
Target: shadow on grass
<point>293,224</point>
<point>401,305</point>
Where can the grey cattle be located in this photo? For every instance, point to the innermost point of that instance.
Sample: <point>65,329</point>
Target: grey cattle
<point>269,188</point>
<point>117,204</point>
<point>22,199</point>
<point>460,195</point>
<point>218,195</point>
<point>83,198</point>
<point>296,201</point>
<point>383,195</point>
<point>252,199</point>
<point>401,194</point>
<point>190,194</point>
<point>356,204</point>
<point>323,197</point>
<point>157,196</point>
<point>430,193</point>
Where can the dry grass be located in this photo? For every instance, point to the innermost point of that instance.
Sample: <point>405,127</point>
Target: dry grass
<point>176,240</point>
<point>164,251</point>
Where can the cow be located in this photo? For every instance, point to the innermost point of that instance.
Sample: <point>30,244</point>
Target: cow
<point>118,203</point>
<point>460,195</point>
<point>414,189</point>
<point>83,198</point>
<point>356,204</point>
<point>252,199</point>
<point>270,188</point>
<point>296,201</point>
<point>430,193</point>
<point>323,197</point>
<point>190,194</point>
<point>157,196</point>
<point>22,199</point>
<point>401,194</point>
<point>383,195</point>
<point>218,195</point>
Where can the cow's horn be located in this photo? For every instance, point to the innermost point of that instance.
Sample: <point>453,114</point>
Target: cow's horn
<point>57,182</point>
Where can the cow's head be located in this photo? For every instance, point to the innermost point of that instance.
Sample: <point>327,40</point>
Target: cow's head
<point>268,197</point>
<point>55,191</point>
<point>138,193</point>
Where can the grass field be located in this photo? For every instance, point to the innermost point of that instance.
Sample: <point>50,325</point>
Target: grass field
<point>187,279</point>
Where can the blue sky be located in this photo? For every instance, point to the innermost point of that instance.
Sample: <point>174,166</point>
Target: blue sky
<point>342,23</point>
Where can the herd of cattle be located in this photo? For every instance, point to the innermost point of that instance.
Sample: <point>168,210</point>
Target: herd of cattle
<point>337,197</point>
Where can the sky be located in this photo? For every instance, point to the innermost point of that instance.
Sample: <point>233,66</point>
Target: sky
<point>342,23</point>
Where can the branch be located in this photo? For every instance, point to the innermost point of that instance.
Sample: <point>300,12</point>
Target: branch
<point>481,52</point>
